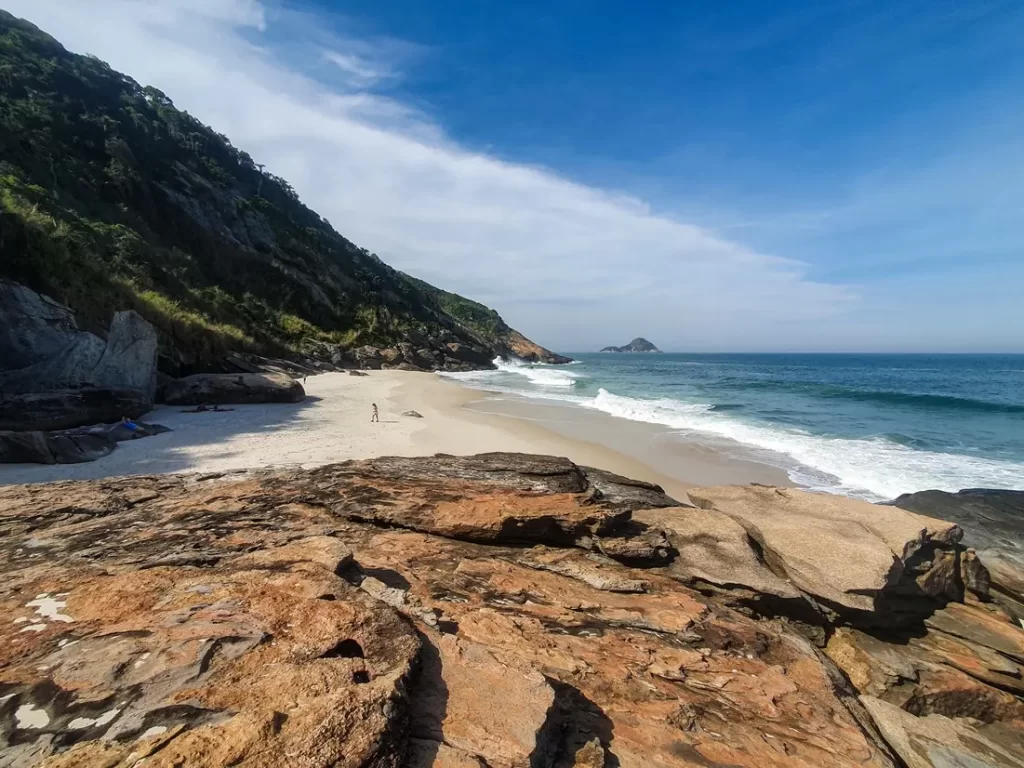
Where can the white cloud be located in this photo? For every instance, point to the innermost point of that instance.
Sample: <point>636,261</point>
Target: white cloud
<point>359,71</point>
<point>572,265</point>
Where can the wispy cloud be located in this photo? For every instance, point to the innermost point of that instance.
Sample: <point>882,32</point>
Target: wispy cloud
<point>359,71</point>
<point>574,265</point>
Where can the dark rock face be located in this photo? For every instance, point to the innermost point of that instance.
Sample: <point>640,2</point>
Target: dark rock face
<point>42,349</point>
<point>74,446</point>
<point>993,522</point>
<point>52,448</point>
<point>636,345</point>
<point>66,409</point>
<point>225,388</point>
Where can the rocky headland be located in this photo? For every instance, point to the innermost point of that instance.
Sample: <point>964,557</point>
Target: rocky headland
<point>112,198</point>
<point>496,610</point>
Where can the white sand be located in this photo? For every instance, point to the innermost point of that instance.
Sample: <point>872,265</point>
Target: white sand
<point>333,424</point>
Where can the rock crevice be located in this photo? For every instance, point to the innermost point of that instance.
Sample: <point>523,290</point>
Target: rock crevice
<point>412,612</point>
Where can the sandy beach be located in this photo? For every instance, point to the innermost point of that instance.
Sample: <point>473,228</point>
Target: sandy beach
<point>333,424</point>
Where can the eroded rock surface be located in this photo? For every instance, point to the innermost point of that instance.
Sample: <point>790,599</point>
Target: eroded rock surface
<point>470,611</point>
<point>993,521</point>
<point>857,561</point>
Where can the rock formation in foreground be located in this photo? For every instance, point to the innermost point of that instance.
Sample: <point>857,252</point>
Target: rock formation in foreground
<point>500,610</point>
<point>636,345</point>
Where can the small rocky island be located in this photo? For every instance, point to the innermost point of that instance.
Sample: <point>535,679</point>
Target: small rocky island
<point>639,344</point>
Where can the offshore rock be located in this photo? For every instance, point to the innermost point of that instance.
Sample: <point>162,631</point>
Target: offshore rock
<point>638,344</point>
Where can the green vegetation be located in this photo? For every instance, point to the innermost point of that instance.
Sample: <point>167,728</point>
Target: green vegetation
<point>482,320</point>
<point>111,197</point>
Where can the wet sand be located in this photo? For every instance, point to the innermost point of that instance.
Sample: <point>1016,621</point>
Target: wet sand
<point>333,424</point>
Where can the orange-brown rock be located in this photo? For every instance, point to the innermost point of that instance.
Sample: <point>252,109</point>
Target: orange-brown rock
<point>859,562</point>
<point>497,611</point>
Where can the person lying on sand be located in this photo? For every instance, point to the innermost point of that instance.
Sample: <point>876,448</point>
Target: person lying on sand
<point>207,409</point>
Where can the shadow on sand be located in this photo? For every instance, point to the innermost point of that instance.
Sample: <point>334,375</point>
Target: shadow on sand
<point>173,451</point>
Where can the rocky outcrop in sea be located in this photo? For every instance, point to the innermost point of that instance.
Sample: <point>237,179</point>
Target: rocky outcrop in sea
<point>638,344</point>
<point>499,610</point>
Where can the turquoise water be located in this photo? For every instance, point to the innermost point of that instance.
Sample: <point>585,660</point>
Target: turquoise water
<point>872,426</point>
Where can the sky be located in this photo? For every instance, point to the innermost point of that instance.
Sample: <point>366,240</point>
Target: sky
<point>822,175</point>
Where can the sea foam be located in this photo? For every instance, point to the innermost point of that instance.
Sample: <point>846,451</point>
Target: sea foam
<point>874,468</point>
<point>539,375</point>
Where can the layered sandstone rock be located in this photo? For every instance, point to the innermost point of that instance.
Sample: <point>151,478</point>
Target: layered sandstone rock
<point>499,610</point>
<point>856,561</point>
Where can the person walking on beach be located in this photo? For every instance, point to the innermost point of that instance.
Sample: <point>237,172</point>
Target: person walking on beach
<point>376,415</point>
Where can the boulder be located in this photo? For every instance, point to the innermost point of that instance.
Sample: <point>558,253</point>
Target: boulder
<point>858,562</point>
<point>426,358</point>
<point>993,524</point>
<point>472,355</point>
<point>26,448</point>
<point>42,349</point>
<point>406,350</point>
<point>71,446</point>
<point>506,507</point>
<point>224,388</point>
<point>403,366</point>
<point>451,365</point>
<point>69,408</point>
<point>626,492</point>
<point>33,327</point>
<point>368,357</point>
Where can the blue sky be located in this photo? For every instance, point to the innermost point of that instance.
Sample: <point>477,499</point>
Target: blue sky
<point>734,176</point>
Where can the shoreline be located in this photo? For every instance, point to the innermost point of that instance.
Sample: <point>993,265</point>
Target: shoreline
<point>332,425</point>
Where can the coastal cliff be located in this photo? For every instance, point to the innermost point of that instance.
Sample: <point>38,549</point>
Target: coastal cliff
<point>112,199</point>
<point>639,344</point>
<point>500,610</point>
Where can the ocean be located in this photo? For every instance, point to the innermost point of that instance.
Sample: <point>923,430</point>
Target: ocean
<point>869,426</point>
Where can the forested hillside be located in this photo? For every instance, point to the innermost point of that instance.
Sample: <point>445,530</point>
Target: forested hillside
<point>113,198</point>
